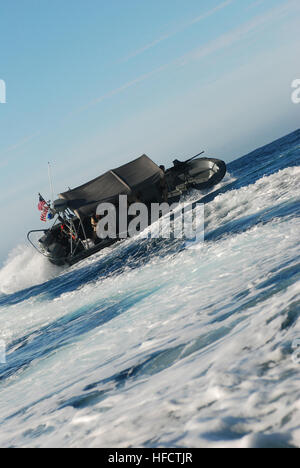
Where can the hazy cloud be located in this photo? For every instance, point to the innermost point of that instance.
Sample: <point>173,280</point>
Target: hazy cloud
<point>164,37</point>
<point>237,34</point>
<point>225,40</point>
<point>19,144</point>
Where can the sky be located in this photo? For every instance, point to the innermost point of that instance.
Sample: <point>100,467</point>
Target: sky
<point>92,84</point>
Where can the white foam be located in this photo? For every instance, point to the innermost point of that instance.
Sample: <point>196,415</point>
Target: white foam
<point>25,268</point>
<point>281,187</point>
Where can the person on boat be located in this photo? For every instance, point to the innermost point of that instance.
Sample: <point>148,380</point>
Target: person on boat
<point>94,223</point>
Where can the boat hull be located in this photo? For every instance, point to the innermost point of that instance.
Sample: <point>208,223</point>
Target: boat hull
<point>199,174</point>
<point>72,260</point>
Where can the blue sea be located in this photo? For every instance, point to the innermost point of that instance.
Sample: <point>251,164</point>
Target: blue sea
<point>165,343</point>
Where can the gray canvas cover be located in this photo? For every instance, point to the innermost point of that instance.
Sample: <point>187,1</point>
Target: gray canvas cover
<point>140,177</point>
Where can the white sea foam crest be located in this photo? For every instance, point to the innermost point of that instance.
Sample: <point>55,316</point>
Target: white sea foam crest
<point>23,269</point>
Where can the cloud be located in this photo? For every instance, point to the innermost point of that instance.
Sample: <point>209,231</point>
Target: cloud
<point>125,86</point>
<point>256,4</point>
<point>224,41</point>
<point>164,37</point>
<point>237,34</point>
<point>18,145</point>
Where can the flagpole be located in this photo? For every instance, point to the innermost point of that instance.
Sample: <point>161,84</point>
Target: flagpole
<point>50,181</point>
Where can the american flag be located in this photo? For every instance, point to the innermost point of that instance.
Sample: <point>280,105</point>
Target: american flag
<point>43,207</point>
<point>41,204</point>
<point>44,214</point>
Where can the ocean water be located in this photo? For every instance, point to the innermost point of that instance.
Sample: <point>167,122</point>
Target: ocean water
<point>165,343</point>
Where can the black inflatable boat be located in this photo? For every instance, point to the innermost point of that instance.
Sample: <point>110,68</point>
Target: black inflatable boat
<point>72,235</point>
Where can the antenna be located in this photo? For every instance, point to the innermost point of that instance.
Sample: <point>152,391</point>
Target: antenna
<point>50,181</point>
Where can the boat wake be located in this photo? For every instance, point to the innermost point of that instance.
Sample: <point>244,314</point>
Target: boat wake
<point>25,268</point>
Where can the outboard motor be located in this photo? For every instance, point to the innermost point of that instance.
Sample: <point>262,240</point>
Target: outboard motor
<point>55,250</point>
<point>47,240</point>
<point>57,253</point>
